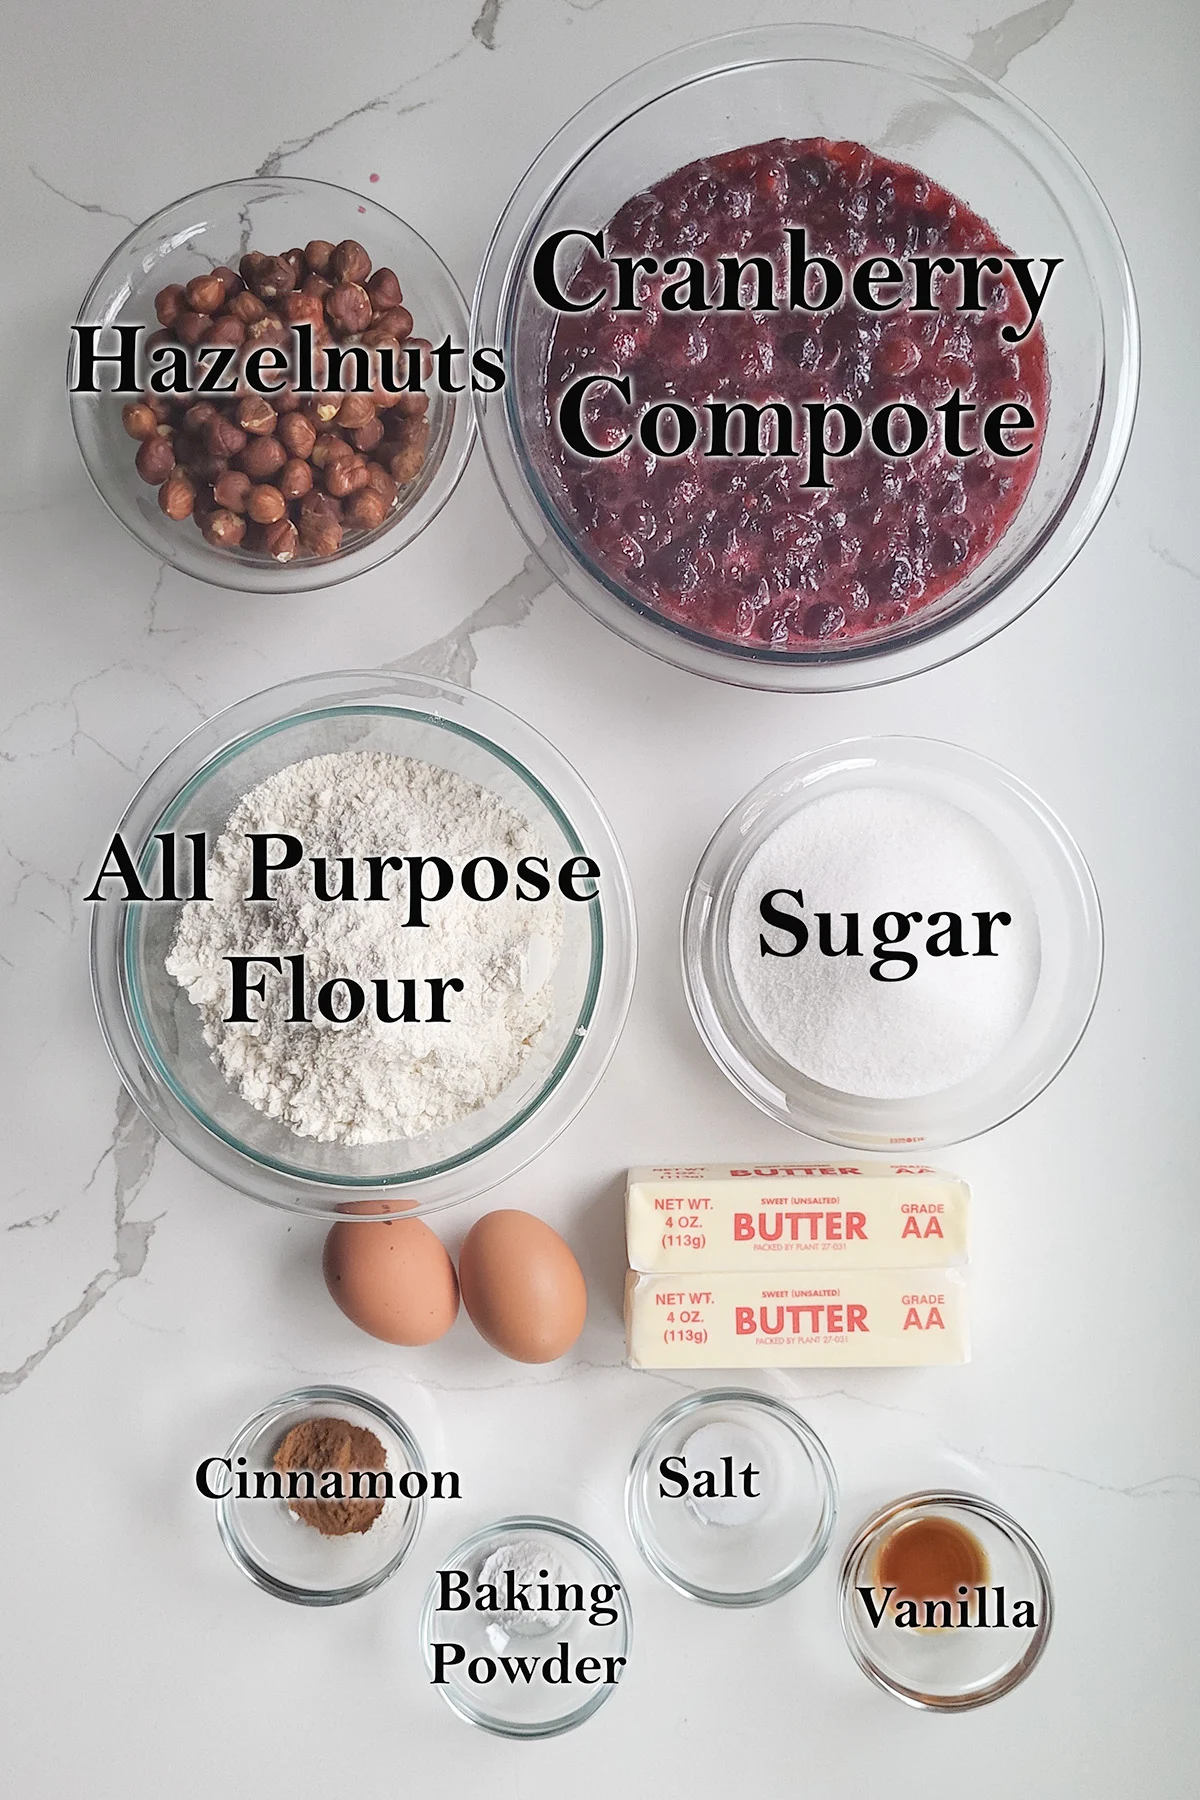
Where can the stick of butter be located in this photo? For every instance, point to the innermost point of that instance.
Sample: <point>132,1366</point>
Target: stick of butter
<point>864,1318</point>
<point>827,1215</point>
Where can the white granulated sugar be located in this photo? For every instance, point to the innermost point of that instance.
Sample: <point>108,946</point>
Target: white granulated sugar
<point>363,1081</point>
<point>871,851</point>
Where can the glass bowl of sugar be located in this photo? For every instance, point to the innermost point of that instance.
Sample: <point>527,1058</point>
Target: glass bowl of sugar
<point>892,942</point>
<point>327,1035</point>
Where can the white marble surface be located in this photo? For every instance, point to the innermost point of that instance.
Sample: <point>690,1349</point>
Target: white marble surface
<point>146,1311</point>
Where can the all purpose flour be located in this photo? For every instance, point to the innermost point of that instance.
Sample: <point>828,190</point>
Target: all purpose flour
<point>364,1081</point>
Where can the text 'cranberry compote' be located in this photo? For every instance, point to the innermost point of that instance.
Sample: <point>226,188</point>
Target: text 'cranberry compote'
<point>746,548</point>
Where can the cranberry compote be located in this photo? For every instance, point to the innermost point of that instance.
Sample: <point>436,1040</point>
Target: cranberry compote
<point>741,547</point>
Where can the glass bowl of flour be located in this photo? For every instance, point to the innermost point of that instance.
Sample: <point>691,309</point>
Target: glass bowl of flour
<point>407,964</point>
<point>892,942</point>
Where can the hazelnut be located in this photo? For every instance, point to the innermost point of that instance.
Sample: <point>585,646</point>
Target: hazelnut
<point>232,490</point>
<point>266,505</point>
<point>223,529</point>
<point>262,458</point>
<point>384,290</point>
<point>348,308</point>
<point>295,479</point>
<point>190,327</point>
<point>273,278</point>
<point>225,330</point>
<point>346,476</point>
<point>406,431</point>
<point>208,469</point>
<point>369,436</point>
<point>297,434</point>
<point>250,264</point>
<point>318,255</point>
<point>379,479</point>
<point>397,322</point>
<point>322,412</point>
<point>319,535</point>
<point>232,280</point>
<point>159,405</point>
<point>167,303</point>
<point>177,495</point>
<point>200,415</point>
<point>223,438</point>
<point>205,293</point>
<point>256,415</point>
<point>247,307</point>
<point>328,449</point>
<point>412,405</point>
<point>366,510</point>
<point>405,465</point>
<point>269,329</point>
<point>287,400</point>
<point>303,309</point>
<point>321,504</point>
<point>354,411</point>
<point>316,285</point>
<point>155,459</point>
<point>161,336</point>
<point>298,265</point>
<point>350,262</point>
<point>139,419</point>
<point>279,540</point>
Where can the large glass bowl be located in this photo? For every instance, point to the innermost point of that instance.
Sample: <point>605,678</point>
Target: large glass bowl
<point>154,1031</point>
<point>915,106</point>
<point>213,227</point>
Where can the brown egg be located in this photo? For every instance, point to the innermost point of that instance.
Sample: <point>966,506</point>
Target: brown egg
<point>522,1287</point>
<point>392,1278</point>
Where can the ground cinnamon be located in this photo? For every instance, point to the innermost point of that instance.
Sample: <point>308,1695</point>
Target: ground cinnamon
<point>332,1446</point>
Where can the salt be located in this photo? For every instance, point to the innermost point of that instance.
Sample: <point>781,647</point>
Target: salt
<point>871,851</point>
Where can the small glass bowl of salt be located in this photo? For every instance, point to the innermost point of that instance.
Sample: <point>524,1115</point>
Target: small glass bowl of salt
<point>892,942</point>
<point>731,1498</point>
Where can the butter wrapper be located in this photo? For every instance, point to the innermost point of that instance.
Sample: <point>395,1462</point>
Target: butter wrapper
<point>863,1318</point>
<point>812,1216</point>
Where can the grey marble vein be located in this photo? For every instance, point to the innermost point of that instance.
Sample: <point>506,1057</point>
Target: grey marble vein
<point>46,1218</point>
<point>454,656</point>
<point>270,164</point>
<point>87,206</point>
<point>131,1151</point>
<point>484,28</point>
<point>995,49</point>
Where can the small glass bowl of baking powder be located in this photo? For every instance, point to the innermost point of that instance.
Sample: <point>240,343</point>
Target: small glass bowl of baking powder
<point>156,1034</point>
<point>731,1498</point>
<point>278,1550</point>
<point>971,1620</point>
<point>935,1057</point>
<point>526,1629</point>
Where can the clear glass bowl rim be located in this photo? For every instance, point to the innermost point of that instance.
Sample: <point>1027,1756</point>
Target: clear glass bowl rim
<point>330,1395</point>
<point>548,1527</point>
<point>576,1072</point>
<point>376,548</point>
<point>712,876</point>
<point>1004,1523</point>
<point>819,1461</point>
<point>924,645</point>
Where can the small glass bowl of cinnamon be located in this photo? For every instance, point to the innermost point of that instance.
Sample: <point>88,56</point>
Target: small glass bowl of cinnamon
<point>946,1602</point>
<point>296,1531</point>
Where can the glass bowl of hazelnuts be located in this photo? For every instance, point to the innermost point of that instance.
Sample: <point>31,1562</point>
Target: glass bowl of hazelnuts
<point>257,405</point>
